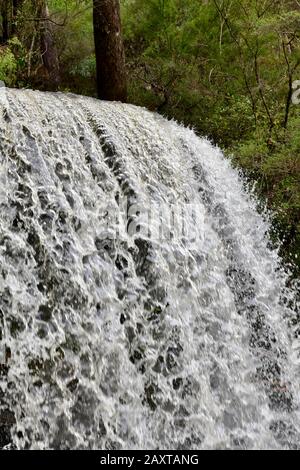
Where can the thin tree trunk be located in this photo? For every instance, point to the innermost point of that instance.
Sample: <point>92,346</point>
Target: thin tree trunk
<point>110,55</point>
<point>5,23</point>
<point>48,48</point>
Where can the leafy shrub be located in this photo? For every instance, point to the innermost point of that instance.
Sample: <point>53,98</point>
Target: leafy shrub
<point>8,66</point>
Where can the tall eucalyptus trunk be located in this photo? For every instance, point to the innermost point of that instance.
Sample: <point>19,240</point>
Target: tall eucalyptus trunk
<point>110,55</point>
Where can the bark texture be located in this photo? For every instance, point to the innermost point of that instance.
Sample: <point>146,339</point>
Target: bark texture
<point>110,55</point>
<point>4,11</point>
<point>48,48</point>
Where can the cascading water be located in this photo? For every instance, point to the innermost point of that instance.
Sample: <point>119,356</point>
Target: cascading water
<point>121,338</point>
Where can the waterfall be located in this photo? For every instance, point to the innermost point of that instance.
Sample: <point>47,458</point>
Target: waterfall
<point>141,304</point>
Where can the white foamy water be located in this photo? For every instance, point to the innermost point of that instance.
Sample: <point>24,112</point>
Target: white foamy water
<point>115,339</point>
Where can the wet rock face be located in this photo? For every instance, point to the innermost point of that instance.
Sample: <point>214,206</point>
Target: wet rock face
<point>113,338</point>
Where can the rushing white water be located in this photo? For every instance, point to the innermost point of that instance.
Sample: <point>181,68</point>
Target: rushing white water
<point>118,339</point>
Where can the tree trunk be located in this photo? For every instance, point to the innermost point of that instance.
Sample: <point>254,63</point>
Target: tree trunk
<point>48,48</point>
<point>110,55</point>
<point>5,23</point>
<point>16,6</point>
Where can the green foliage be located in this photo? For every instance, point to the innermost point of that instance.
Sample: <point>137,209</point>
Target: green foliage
<point>11,61</point>
<point>8,66</point>
<point>72,26</point>
<point>275,165</point>
<point>75,44</point>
